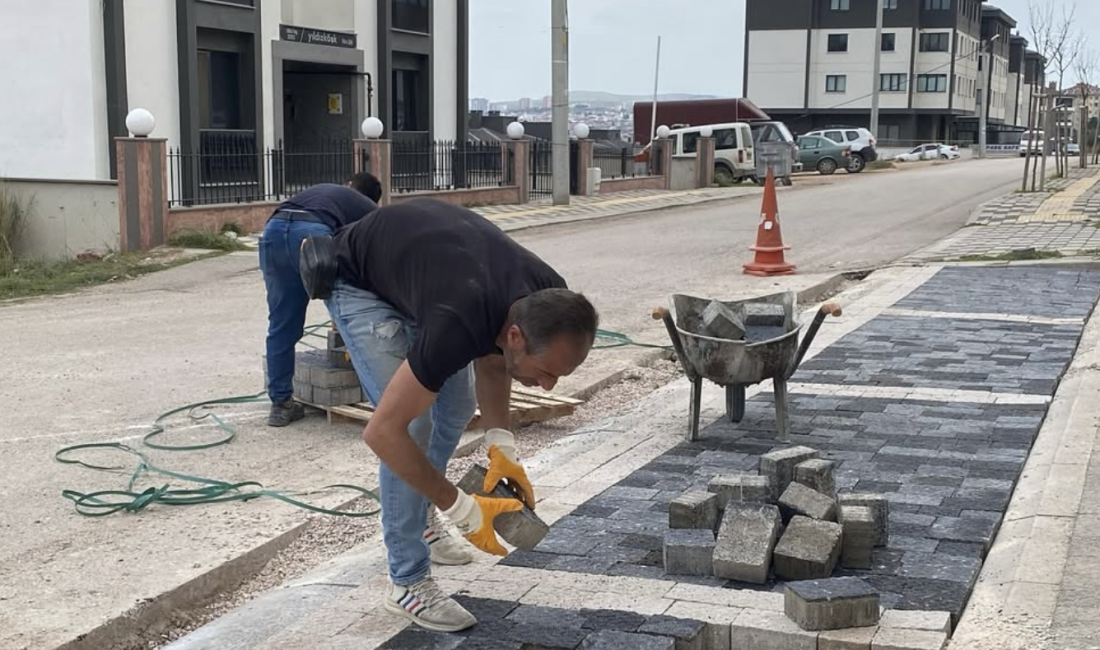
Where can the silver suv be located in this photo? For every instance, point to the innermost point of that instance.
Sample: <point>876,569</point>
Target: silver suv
<point>860,140</point>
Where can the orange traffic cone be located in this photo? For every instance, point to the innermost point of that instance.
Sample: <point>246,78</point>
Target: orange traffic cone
<point>769,240</point>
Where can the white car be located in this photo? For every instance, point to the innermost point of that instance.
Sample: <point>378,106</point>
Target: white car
<point>934,151</point>
<point>860,140</point>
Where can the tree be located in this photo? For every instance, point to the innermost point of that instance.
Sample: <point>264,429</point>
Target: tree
<point>1056,39</point>
<point>1086,65</point>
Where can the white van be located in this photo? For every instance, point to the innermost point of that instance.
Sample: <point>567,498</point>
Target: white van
<point>734,155</point>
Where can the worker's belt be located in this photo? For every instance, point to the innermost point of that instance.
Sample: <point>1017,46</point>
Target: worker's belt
<point>297,215</point>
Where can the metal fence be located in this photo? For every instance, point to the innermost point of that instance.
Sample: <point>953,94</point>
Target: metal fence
<point>614,163</point>
<point>424,165</point>
<point>541,168</point>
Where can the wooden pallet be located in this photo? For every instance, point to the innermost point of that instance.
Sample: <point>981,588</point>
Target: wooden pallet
<point>527,406</point>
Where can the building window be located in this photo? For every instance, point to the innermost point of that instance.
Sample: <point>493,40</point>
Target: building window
<point>892,82</point>
<point>836,83</point>
<point>890,4</point>
<point>931,83</point>
<point>219,89</point>
<point>937,5</point>
<point>840,5</point>
<point>888,42</point>
<point>838,42</point>
<point>935,42</point>
<point>412,15</point>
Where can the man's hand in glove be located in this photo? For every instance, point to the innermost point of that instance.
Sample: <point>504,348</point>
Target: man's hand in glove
<point>474,516</point>
<point>503,464</point>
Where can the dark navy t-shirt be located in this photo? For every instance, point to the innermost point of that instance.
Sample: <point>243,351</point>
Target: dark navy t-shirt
<point>450,270</point>
<point>335,205</point>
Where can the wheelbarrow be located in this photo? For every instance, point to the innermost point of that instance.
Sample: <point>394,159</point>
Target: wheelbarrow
<point>772,352</point>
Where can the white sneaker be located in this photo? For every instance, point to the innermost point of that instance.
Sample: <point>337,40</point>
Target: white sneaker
<point>445,547</point>
<point>425,605</point>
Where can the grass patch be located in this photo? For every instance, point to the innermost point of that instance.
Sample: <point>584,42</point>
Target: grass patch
<point>14,215</point>
<point>881,164</point>
<point>1028,254</point>
<point>209,240</point>
<point>1092,252</point>
<point>29,278</point>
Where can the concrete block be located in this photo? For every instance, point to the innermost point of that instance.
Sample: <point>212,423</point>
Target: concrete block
<point>855,638</point>
<point>917,620</point>
<point>817,474</point>
<point>745,542</point>
<point>690,634</point>
<point>689,552</point>
<point>801,500</point>
<point>338,358</point>
<point>757,629</point>
<point>741,488</point>
<point>306,360</point>
<point>335,340</point>
<point>831,603</point>
<point>860,535</point>
<point>337,396</point>
<point>721,321</point>
<point>895,638</point>
<point>779,466</point>
<point>328,377</point>
<point>693,509</point>
<point>612,640</point>
<point>879,506</point>
<point>523,529</point>
<point>808,550</point>
<point>764,314</point>
<point>303,391</point>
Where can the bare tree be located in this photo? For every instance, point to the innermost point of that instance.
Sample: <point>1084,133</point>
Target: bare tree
<point>1056,39</point>
<point>1085,67</point>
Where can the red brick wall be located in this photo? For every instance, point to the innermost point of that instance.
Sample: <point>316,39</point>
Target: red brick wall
<point>251,217</point>
<point>626,184</point>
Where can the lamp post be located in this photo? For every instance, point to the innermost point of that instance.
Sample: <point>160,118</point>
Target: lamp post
<point>372,128</point>
<point>140,123</point>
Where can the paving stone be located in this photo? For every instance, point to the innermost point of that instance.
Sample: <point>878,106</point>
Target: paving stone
<point>779,465</point>
<point>529,559</point>
<point>486,609</point>
<point>722,321</point>
<point>798,499</point>
<point>860,534</point>
<point>831,603</point>
<point>746,540</point>
<point>889,638</point>
<point>744,488</point>
<point>817,474</point>
<point>758,629</point>
<point>337,396</point>
<point>414,638</point>
<point>612,640</point>
<point>940,566</point>
<point>609,619</point>
<point>543,637</point>
<point>538,615</point>
<point>326,376</point>
<point>581,564</point>
<point>689,634</point>
<point>494,643</point>
<point>917,620</point>
<point>523,529</point>
<point>809,549</point>
<point>856,638</point>
<point>689,552</point>
<point>303,391</point>
<point>338,358</point>
<point>878,504</point>
<point>963,529</point>
<point>694,509</point>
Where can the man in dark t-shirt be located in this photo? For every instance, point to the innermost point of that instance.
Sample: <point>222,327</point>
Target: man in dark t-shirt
<point>428,297</point>
<point>318,210</point>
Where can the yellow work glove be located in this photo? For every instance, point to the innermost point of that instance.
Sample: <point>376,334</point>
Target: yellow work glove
<point>503,464</point>
<point>474,516</point>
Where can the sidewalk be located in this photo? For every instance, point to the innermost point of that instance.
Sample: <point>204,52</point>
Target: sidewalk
<point>931,389</point>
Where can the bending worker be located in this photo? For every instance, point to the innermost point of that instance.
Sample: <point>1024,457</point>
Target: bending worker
<point>429,297</point>
<point>320,210</point>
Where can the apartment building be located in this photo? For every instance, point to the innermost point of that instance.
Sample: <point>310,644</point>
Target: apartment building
<point>811,63</point>
<point>250,74</point>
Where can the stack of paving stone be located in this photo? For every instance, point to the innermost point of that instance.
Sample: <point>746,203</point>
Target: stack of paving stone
<point>325,377</point>
<point>787,519</point>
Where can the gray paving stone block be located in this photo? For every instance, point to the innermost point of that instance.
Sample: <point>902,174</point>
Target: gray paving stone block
<point>757,629</point>
<point>337,396</point>
<point>610,619</point>
<point>689,552</point>
<point>855,638</point>
<point>523,529</point>
<point>544,637</point>
<point>808,550</point>
<point>537,615</point>
<point>612,640</point>
<point>860,534</point>
<point>880,507</point>
<point>335,340</point>
<point>746,540</point>
<point>779,465</point>
<point>338,358</point>
<point>831,603</point>
<point>303,392</point>
<point>689,634</point>
<point>817,474</point>
<point>891,638</point>
<point>798,499</point>
<point>743,488</point>
<point>694,509</point>
<point>721,321</point>
<point>325,376</point>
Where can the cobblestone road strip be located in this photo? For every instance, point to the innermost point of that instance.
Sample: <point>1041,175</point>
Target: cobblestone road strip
<point>1067,200</point>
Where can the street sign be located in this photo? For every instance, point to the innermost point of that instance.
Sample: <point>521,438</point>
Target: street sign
<point>317,36</point>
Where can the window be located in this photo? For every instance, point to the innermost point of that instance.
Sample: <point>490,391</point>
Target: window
<point>931,83</point>
<point>725,139</point>
<point>852,135</point>
<point>836,83</point>
<point>412,15</point>
<point>888,42</point>
<point>840,5</point>
<point>809,142</point>
<point>935,42</point>
<point>835,136</point>
<point>937,5</point>
<point>890,4</point>
<point>890,131</point>
<point>838,42</point>
<point>219,89</point>
<point>690,142</point>
<point>409,113</point>
<point>892,82</point>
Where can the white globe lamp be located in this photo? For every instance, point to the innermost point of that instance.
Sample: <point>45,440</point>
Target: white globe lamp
<point>372,128</point>
<point>140,123</point>
<point>581,131</point>
<point>662,131</point>
<point>706,131</point>
<point>516,131</point>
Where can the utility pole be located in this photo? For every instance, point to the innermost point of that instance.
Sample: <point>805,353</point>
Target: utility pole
<point>983,120</point>
<point>656,77</point>
<point>559,33</point>
<point>876,80</point>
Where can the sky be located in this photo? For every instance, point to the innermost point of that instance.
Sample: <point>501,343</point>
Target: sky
<point>613,44</point>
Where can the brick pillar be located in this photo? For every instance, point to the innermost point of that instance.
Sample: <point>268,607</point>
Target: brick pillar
<point>374,156</point>
<point>704,162</point>
<point>142,192</point>
<point>660,160</point>
<point>585,151</point>
<point>517,159</point>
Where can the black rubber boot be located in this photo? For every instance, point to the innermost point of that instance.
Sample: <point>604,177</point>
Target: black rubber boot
<point>285,412</point>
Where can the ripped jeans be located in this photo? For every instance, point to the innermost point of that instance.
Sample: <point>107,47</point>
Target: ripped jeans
<point>378,339</point>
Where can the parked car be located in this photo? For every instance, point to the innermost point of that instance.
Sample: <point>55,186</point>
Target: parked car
<point>934,151</point>
<point>860,140</point>
<point>1073,149</point>
<point>1030,146</point>
<point>824,155</point>
<point>734,153</point>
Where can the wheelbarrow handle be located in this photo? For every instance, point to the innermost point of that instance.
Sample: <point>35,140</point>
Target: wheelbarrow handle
<point>663,314</point>
<point>828,309</point>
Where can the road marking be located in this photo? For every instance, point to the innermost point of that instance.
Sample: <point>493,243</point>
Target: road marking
<point>1008,318</point>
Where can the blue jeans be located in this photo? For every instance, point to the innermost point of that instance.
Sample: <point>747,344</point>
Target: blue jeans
<point>378,339</point>
<point>287,299</point>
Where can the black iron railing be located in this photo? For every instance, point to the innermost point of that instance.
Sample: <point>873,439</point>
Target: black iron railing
<point>614,163</point>
<point>541,168</point>
<point>420,165</point>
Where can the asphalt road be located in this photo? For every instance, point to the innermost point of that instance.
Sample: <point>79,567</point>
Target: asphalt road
<point>101,364</point>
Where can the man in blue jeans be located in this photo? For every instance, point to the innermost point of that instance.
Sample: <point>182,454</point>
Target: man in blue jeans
<point>320,210</point>
<point>429,298</point>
